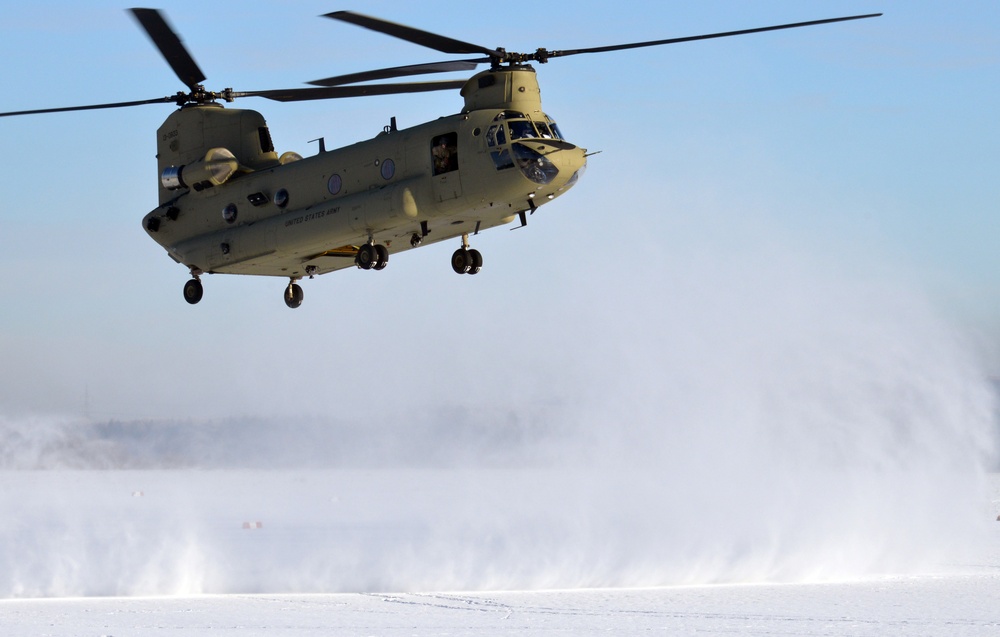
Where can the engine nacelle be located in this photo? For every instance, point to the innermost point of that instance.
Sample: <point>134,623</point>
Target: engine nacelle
<point>218,165</point>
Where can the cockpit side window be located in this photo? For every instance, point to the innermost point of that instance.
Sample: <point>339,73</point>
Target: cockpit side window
<point>496,135</point>
<point>444,153</point>
<point>502,159</point>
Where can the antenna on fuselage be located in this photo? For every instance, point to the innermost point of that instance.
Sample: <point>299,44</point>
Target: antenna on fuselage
<point>322,144</point>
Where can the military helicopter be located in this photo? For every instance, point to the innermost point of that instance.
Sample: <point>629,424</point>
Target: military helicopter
<point>229,204</point>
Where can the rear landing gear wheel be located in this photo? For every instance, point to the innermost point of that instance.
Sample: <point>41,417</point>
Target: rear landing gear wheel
<point>293,295</point>
<point>193,291</point>
<point>381,257</point>
<point>461,261</point>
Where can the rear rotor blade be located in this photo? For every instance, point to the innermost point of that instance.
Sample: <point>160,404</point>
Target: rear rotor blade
<point>93,107</point>
<point>170,46</point>
<point>692,38</point>
<point>401,71</point>
<point>362,90</point>
<point>416,36</point>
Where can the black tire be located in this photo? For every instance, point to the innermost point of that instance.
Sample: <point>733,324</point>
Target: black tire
<point>381,257</point>
<point>477,261</point>
<point>366,257</point>
<point>293,296</point>
<point>193,291</point>
<point>461,261</point>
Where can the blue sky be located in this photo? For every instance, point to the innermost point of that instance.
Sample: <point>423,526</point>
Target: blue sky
<point>861,154</point>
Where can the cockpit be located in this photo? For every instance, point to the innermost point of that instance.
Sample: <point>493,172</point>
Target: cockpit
<point>512,126</point>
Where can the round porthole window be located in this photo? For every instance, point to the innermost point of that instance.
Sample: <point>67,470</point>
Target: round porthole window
<point>388,169</point>
<point>229,213</point>
<point>334,184</point>
<point>281,198</point>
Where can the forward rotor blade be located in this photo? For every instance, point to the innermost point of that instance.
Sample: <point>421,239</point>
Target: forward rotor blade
<point>692,38</point>
<point>93,107</point>
<point>401,71</point>
<point>416,36</point>
<point>332,92</point>
<point>170,46</point>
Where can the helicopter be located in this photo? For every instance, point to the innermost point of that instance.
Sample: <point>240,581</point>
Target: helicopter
<point>230,204</point>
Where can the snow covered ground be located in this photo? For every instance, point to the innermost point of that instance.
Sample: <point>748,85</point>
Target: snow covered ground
<point>817,475</point>
<point>947,605</point>
<point>954,606</point>
<point>264,552</point>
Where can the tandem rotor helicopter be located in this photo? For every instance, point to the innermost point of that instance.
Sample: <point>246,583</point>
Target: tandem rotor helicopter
<point>229,204</point>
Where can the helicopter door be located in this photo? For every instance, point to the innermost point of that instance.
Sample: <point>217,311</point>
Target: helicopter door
<point>444,167</point>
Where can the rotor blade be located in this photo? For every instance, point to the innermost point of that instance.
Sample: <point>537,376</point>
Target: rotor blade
<point>93,107</point>
<point>170,46</point>
<point>332,92</point>
<point>416,36</point>
<point>401,71</point>
<point>692,38</point>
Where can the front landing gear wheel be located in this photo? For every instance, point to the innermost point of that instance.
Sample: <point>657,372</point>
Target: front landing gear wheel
<point>193,291</point>
<point>466,261</point>
<point>293,295</point>
<point>461,261</point>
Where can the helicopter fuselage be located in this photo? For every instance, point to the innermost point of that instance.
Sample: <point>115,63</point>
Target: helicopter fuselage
<point>229,204</point>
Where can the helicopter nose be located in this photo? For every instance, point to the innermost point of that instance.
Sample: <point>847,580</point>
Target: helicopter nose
<point>548,161</point>
<point>571,161</point>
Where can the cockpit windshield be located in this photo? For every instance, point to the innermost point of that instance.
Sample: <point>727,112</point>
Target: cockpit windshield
<point>556,133</point>
<point>520,127</point>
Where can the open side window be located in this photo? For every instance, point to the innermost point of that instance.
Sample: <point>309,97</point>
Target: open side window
<point>444,153</point>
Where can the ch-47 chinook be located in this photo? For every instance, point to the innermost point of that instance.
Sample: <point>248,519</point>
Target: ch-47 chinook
<point>229,204</point>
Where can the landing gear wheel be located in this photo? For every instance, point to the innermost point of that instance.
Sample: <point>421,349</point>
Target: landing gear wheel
<point>381,257</point>
<point>477,262</point>
<point>461,261</point>
<point>293,295</point>
<point>193,291</point>
<point>367,257</point>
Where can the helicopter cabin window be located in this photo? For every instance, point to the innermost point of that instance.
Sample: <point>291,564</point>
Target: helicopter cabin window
<point>444,153</point>
<point>266,145</point>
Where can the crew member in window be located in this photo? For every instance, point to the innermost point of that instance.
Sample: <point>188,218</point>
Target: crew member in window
<point>442,156</point>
